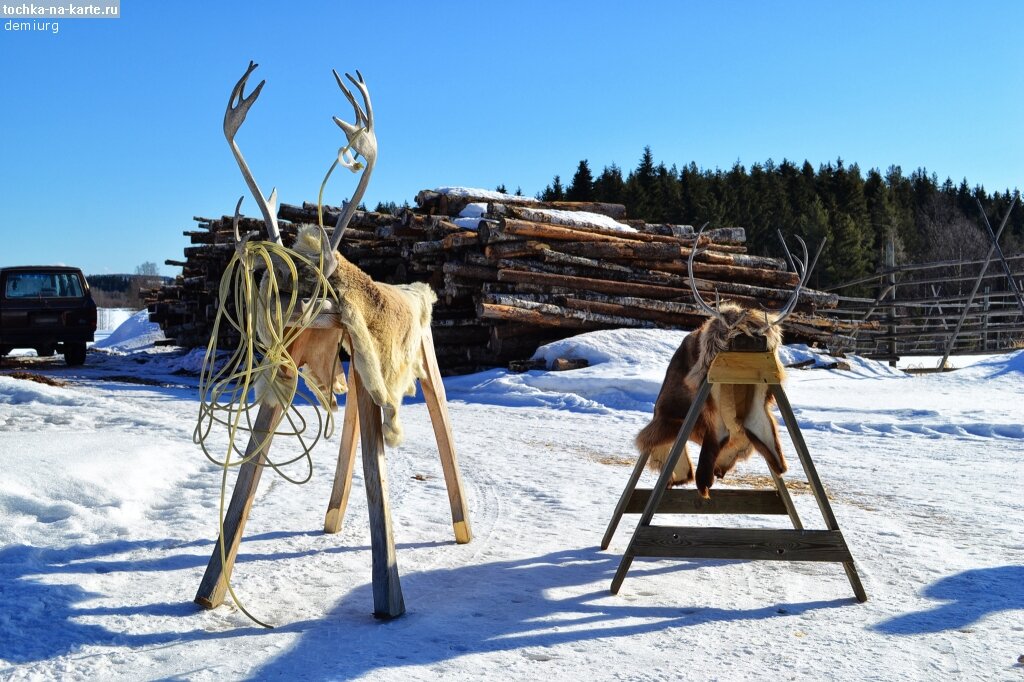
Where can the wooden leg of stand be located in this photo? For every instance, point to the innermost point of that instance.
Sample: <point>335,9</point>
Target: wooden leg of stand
<point>387,590</point>
<point>437,405</point>
<point>787,500</point>
<point>663,481</point>
<point>214,584</point>
<point>638,469</point>
<point>346,456</point>
<point>816,487</point>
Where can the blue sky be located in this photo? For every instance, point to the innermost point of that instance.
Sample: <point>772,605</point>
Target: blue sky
<point>112,128</point>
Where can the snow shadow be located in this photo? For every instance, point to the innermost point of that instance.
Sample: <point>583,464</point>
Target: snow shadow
<point>968,597</point>
<point>43,616</point>
<point>527,605</point>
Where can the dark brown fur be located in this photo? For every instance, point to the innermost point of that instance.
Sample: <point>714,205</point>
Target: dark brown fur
<point>724,427</point>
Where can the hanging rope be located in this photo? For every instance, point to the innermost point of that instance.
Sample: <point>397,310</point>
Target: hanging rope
<point>267,319</point>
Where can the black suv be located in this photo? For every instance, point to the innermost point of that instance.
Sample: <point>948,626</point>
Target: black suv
<point>48,308</point>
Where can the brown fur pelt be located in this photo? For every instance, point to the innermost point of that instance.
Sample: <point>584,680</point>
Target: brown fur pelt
<point>384,326</point>
<point>735,421</point>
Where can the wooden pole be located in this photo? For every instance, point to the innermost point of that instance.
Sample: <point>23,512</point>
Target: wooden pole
<point>437,405</point>
<point>620,508</point>
<point>346,455</point>
<point>215,581</point>
<point>387,588</point>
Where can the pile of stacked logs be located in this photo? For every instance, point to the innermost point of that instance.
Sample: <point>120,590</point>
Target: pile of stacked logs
<point>519,274</point>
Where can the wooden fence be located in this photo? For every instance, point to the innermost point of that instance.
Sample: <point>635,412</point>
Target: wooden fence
<point>938,309</point>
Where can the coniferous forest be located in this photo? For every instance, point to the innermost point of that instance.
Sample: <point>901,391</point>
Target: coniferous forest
<point>857,211</point>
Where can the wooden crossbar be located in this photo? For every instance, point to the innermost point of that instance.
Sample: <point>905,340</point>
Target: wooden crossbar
<point>741,543</point>
<point>689,501</point>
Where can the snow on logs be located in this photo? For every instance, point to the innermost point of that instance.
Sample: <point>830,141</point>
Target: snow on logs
<point>513,272</point>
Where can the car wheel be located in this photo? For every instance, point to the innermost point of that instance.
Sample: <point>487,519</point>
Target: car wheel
<point>74,354</point>
<point>46,351</point>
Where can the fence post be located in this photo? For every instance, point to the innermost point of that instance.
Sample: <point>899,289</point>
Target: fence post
<point>890,264</point>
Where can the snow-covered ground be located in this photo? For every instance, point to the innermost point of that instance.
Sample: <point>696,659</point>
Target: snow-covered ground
<point>110,513</point>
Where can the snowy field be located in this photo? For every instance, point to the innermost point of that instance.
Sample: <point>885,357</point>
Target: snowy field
<point>109,515</point>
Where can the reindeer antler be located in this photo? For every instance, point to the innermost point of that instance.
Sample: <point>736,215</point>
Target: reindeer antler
<point>713,312</point>
<point>363,141</point>
<point>803,268</point>
<point>234,116</point>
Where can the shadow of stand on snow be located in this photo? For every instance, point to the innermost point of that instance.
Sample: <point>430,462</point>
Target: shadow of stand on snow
<point>531,602</point>
<point>968,597</point>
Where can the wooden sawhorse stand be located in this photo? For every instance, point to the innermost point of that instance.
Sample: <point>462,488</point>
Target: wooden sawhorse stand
<point>731,367</point>
<point>361,414</point>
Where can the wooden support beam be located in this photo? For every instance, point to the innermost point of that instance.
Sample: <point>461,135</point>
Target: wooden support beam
<point>387,588</point>
<point>214,584</point>
<point>437,405</point>
<point>724,501</point>
<point>741,543</point>
<point>346,455</point>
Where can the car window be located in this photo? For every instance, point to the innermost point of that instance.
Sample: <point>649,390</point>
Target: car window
<point>40,284</point>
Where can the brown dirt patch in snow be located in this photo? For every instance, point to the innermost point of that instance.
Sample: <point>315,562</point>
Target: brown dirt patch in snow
<point>38,378</point>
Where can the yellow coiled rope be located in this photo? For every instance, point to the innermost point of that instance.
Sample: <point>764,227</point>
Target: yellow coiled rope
<point>267,320</point>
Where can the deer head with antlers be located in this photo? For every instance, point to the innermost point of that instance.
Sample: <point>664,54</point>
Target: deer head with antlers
<point>381,325</point>
<point>736,420</point>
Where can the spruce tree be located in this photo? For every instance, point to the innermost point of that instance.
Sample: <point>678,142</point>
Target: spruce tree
<point>582,186</point>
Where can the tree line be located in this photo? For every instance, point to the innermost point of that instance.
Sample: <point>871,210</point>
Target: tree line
<point>857,212</point>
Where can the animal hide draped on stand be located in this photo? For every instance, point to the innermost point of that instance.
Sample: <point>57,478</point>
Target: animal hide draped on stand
<point>382,329</point>
<point>735,421</point>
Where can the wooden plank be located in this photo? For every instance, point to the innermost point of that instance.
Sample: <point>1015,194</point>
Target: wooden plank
<point>346,456</point>
<point>214,583</point>
<point>627,495</point>
<point>723,501</point>
<point>437,406</point>
<point>745,368</point>
<point>787,501</point>
<point>741,543</point>
<point>387,589</point>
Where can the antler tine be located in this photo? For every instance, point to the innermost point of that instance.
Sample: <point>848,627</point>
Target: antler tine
<point>234,116</point>
<point>803,268</point>
<point>361,84</point>
<point>701,303</point>
<point>361,118</point>
<point>785,250</point>
<point>234,221</point>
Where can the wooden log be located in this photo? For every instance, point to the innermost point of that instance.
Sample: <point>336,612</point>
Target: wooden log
<point>537,318</point>
<point>614,211</point>
<point>531,230</point>
<point>670,253</point>
<point>684,320</point>
<point>515,249</point>
<point>500,302</point>
<point>470,271</point>
<point>574,219</point>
